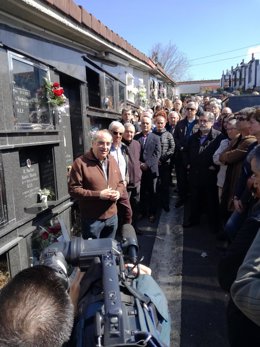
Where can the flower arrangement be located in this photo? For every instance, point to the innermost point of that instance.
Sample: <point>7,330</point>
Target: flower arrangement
<point>4,274</point>
<point>142,93</point>
<point>54,93</point>
<point>44,236</point>
<point>46,192</point>
<point>132,89</point>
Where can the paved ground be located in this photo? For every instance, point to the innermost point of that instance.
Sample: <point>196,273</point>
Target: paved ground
<point>184,264</point>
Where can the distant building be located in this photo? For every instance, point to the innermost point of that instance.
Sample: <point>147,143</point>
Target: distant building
<point>245,77</point>
<point>196,87</point>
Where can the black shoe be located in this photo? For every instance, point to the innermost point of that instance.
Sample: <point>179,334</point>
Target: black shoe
<point>179,203</point>
<point>166,208</point>
<point>189,224</point>
<point>222,245</point>
<point>151,218</point>
<point>140,216</point>
<point>221,236</point>
<point>138,231</point>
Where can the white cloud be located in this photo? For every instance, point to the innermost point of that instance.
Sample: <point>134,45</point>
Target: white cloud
<point>255,50</point>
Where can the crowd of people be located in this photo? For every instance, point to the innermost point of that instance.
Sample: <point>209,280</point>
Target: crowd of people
<point>133,159</point>
<point>147,146</point>
<point>215,154</point>
<point>208,147</point>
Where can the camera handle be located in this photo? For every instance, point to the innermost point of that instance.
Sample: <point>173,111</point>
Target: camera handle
<point>114,324</point>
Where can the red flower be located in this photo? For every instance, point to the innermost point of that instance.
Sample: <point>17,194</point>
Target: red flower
<point>45,235</point>
<point>58,92</point>
<point>55,85</point>
<point>54,229</point>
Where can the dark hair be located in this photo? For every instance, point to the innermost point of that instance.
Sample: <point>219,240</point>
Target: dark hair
<point>247,111</point>
<point>125,110</point>
<point>254,154</point>
<point>36,310</point>
<point>226,118</point>
<point>256,115</point>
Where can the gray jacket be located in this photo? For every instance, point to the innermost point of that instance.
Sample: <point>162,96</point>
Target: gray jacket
<point>245,290</point>
<point>167,145</point>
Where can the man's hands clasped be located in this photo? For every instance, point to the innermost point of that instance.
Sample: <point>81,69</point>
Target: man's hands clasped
<point>109,194</point>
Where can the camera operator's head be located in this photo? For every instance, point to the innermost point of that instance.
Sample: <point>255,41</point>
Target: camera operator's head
<point>36,310</point>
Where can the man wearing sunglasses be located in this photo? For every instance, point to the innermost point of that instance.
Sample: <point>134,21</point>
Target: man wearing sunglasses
<point>119,151</point>
<point>183,130</point>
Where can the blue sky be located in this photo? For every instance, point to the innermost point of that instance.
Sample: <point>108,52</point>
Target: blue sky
<point>200,29</point>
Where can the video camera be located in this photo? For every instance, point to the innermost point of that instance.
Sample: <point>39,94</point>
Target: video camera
<point>112,324</point>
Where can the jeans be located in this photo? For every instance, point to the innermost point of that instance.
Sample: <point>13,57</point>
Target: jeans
<point>99,228</point>
<point>234,223</point>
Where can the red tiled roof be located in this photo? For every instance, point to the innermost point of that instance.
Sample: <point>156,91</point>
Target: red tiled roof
<point>198,81</point>
<point>83,17</point>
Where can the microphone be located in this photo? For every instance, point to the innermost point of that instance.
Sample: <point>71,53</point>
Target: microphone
<point>129,242</point>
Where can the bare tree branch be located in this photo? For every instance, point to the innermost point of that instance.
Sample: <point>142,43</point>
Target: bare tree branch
<point>171,60</point>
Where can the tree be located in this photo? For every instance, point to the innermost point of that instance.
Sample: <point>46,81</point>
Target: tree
<point>173,61</point>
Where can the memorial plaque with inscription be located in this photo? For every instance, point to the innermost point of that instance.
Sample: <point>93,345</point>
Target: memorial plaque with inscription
<point>30,178</point>
<point>37,172</point>
<point>22,104</point>
<point>47,176</point>
<point>30,104</point>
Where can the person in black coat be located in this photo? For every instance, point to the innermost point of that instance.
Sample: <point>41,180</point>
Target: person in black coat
<point>203,172</point>
<point>183,130</point>
<point>167,151</point>
<point>134,170</point>
<point>241,330</point>
<point>150,155</point>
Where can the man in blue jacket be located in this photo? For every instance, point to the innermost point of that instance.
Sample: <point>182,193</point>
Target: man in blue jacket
<point>150,155</point>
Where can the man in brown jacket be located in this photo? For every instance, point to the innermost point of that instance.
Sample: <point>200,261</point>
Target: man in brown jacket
<point>96,182</point>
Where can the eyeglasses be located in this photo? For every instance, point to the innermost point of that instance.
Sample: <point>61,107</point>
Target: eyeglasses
<point>203,120</point>
<point>190,109</point>
<point>103,143</point>
<point>241,118</point>
<point>117,133</point>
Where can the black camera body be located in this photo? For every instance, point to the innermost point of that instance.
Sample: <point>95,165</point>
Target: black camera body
<point>115,323</point>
